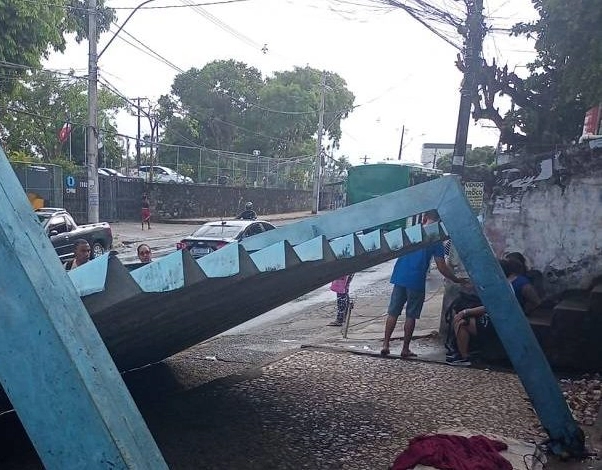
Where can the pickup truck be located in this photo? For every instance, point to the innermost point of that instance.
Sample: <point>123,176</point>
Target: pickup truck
<point>63,231</point>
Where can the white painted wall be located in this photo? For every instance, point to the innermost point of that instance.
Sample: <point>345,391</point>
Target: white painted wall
<point>559,230</point>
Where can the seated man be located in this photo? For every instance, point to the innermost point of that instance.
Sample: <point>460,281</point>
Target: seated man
<point>475,321</point>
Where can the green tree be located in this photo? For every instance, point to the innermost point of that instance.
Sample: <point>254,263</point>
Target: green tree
<point>568,44</point>
<point>289,107</point>
<point>39,106</point>
<point>227,105</point>
<point>478,156</point>
<point>565,79</point>
<point>213,100</point>
<point>30,30</point>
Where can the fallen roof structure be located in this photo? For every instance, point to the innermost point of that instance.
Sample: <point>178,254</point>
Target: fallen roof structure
<point>166,306</point>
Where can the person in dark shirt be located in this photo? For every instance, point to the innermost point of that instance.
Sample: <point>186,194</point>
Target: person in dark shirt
<point>474,321</point>
<point>82,254</point>
<point>248,213</point>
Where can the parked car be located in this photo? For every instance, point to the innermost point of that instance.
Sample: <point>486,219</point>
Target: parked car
<point>63,231</point>
<point>163,174</point>
<point>111,172</point>
<point>214,235</point>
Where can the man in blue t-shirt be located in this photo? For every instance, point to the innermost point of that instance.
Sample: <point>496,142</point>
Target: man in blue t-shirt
<point>409,281</point>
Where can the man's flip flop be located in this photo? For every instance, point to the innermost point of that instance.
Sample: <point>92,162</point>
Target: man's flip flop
<point>385,352</point>
<point>408,354</point>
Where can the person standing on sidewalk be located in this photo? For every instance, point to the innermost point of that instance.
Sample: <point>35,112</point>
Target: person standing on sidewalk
<point>146,213</point>
<point>341,287</point>
<point>409,285</point>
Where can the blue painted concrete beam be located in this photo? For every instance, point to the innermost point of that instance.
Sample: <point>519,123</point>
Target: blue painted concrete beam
<point>355,218</point>
<point>446,195</point>
<point>509,321</point>
<point>55,368</point>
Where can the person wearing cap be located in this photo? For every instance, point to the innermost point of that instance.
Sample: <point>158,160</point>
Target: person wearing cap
<point>248,213</point>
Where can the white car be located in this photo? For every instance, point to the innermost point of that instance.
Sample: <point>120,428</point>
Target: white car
<point>162,174</point>
<point>111,172</point>
<point>212,236</point>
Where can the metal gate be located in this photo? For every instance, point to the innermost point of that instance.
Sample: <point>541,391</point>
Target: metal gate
<point>119,198</point>
<point>43,183</point>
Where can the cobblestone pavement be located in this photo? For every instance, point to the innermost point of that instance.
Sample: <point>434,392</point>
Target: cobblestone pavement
<point>323,410</point>
<point>258,400</point>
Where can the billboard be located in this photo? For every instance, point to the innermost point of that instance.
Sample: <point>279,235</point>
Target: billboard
<point>592,124</point>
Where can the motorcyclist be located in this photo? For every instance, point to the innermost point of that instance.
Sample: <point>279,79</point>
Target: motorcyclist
<point>248,213</point>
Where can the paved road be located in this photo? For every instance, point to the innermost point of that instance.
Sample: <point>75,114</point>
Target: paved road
<point>162,238</point>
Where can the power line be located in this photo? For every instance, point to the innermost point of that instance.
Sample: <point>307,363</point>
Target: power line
<point>151,51</point>
<point>220,24</point>
<point>161,7</point>
<point>24,67</point>
<point>110,131</point>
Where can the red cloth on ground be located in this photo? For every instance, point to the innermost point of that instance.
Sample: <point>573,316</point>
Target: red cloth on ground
<point>450,452</point>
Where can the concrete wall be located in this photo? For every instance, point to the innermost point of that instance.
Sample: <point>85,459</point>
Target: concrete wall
<point>193,201</point>
<point>551,211</point>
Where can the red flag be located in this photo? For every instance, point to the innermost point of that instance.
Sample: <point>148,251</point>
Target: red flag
<point>64,132</point>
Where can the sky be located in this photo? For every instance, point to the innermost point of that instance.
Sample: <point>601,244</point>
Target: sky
<point>402,74</point>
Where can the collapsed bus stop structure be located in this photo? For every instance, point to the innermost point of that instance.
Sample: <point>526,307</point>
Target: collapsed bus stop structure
<point>57,368</point>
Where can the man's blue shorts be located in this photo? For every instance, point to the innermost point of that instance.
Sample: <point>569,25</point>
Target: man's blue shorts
<point>402,295</point>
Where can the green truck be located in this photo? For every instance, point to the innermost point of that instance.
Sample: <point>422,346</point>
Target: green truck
<point>368,181</point>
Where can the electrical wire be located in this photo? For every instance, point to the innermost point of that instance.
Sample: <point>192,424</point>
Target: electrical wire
<point>220,24</point>
<point>161,7</point>
<point>159,56</point>
<point>109,131</point>
<point>148,51</point>
<point>13,65</point>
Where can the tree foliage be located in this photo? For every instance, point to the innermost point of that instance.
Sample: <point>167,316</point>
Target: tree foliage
<point>569,46</point>
<point>40,105</point>
<point>30,30</point>
<point>478,156</point>
<point>230,107</point>
<point>565,79</point>
<point>227,105</point>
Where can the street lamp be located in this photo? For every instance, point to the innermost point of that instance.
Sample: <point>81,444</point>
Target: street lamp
<point>92,145</point>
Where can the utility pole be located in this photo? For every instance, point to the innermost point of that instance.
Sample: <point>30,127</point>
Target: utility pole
<point>472,58</point>
<point>318,169</point>
<point>138,137</point>
<point>403,130</point>
<point>92,146</point>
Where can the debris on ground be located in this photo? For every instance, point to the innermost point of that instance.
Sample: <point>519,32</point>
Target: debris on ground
<point>584,397</point>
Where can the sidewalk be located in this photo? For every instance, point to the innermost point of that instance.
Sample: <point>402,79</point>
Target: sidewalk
<point>367,323</point>
<point>266,217</point>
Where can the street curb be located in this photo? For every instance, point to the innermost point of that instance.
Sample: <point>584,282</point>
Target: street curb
<point>267,218</point>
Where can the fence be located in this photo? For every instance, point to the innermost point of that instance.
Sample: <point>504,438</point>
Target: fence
<point>215,167</point>
<point>119,198</point>
<point>43,183</point>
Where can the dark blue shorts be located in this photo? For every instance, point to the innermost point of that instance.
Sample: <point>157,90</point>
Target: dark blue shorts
<point>402,295</point>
